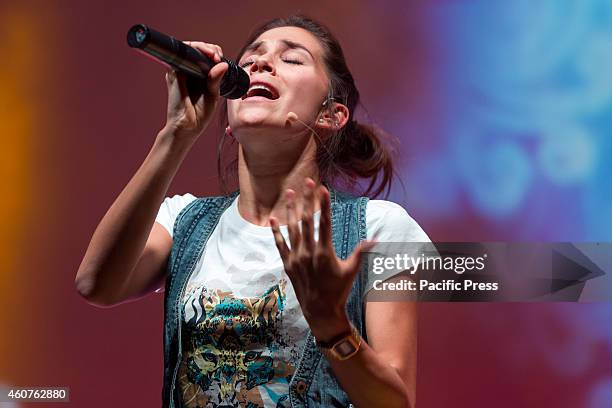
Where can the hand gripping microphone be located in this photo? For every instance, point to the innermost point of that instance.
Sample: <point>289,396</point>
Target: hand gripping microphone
<point>176,54</point>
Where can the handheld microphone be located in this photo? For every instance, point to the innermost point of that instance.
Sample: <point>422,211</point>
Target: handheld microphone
<point>176,54</point>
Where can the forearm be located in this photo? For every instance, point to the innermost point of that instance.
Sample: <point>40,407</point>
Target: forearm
<point>368,379</point>
<point>121,235</point>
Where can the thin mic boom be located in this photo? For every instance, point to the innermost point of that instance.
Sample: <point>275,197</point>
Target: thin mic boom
<point>292,116</point>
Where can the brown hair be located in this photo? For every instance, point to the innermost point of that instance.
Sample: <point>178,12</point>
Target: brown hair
<point>356,150</point>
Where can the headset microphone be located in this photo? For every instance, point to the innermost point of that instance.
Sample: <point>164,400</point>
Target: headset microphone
<point>293,117</point>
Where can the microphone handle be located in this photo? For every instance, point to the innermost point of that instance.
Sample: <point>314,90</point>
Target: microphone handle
<point>180,56</point>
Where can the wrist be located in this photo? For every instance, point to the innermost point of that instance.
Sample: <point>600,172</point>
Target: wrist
<point>327,328</point>
<point>169,137</point>
<point>342,347</point>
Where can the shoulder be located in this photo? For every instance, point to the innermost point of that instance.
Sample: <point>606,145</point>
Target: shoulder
<point>170,208</point>
<point>390,222</point>
<point>179,199</point>
<point>176,203</point>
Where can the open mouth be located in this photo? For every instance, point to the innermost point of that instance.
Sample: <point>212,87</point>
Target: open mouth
<point>262,90</point>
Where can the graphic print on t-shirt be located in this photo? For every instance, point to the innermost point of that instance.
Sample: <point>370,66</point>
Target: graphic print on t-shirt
<point>231,349</point>
<point>242,335</point>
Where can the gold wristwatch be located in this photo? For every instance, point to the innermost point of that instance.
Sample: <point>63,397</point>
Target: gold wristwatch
<point>342,347</point>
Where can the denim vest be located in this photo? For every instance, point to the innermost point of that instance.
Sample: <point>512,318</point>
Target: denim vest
<point>313,383</point>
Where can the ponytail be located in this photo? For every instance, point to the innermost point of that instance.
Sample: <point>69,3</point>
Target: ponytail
<point>358,151</point>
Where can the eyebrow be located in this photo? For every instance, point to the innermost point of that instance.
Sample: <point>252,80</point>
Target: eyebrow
<point>288,43</point>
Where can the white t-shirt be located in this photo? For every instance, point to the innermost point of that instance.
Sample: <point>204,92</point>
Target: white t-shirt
<point>243,326</point>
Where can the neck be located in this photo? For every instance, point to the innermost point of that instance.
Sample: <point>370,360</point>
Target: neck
<point>264,176</point>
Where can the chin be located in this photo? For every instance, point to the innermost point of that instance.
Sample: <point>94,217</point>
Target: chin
<point>257,119</point>
<point>253,116</point>
<point>252,130</point>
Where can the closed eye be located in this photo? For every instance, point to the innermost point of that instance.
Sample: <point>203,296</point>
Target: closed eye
<point>288,61</point>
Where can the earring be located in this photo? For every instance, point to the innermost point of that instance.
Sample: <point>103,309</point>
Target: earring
<point>228,132</point>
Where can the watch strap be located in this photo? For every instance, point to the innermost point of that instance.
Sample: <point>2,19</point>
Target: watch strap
<point>342,347</point>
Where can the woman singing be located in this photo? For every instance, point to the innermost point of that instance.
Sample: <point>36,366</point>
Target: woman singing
<point>264,286</point>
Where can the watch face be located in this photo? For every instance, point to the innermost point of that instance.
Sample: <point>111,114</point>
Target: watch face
<point>345,348</point>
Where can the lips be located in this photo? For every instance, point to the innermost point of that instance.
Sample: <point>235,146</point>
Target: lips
<point>261,89</point>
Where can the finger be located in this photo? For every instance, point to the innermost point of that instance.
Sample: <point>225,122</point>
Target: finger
<point>170,76</point>
<point>294,231</point>
<point>219,50</point>
<point>170,81</point>
<point>366,246</point>
<point>215,76</point>
<point>216,73</point>
<point>307,217</point>
<point>207,49</point>
<point>212,51</point>
<point>356,257</point>
<point>181,80</point>
<point>279,240</point>
<point>325,222</point>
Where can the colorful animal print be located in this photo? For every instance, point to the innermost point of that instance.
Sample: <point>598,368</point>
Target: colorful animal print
<point>230,346</point>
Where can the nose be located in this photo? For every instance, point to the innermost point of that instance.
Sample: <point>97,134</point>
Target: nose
<point>262,63</point>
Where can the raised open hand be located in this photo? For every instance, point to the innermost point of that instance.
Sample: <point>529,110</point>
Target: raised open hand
<point>321,280</point>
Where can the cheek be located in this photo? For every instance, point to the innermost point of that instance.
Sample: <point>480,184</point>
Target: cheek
<point>311,90</point>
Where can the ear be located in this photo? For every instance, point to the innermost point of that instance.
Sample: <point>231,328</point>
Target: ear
<point>334,118</point>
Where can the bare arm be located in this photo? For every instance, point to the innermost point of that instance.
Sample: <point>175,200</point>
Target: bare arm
<point>383,372</point>
<point>127,254</point>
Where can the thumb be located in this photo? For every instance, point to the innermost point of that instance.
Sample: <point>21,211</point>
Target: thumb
<point>356,257</point>
<point>215,75</point>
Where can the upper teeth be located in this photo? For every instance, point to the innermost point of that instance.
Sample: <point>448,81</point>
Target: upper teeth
<point>259,86</point>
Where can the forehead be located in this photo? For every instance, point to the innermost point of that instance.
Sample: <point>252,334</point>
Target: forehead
<point>294,34</point>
